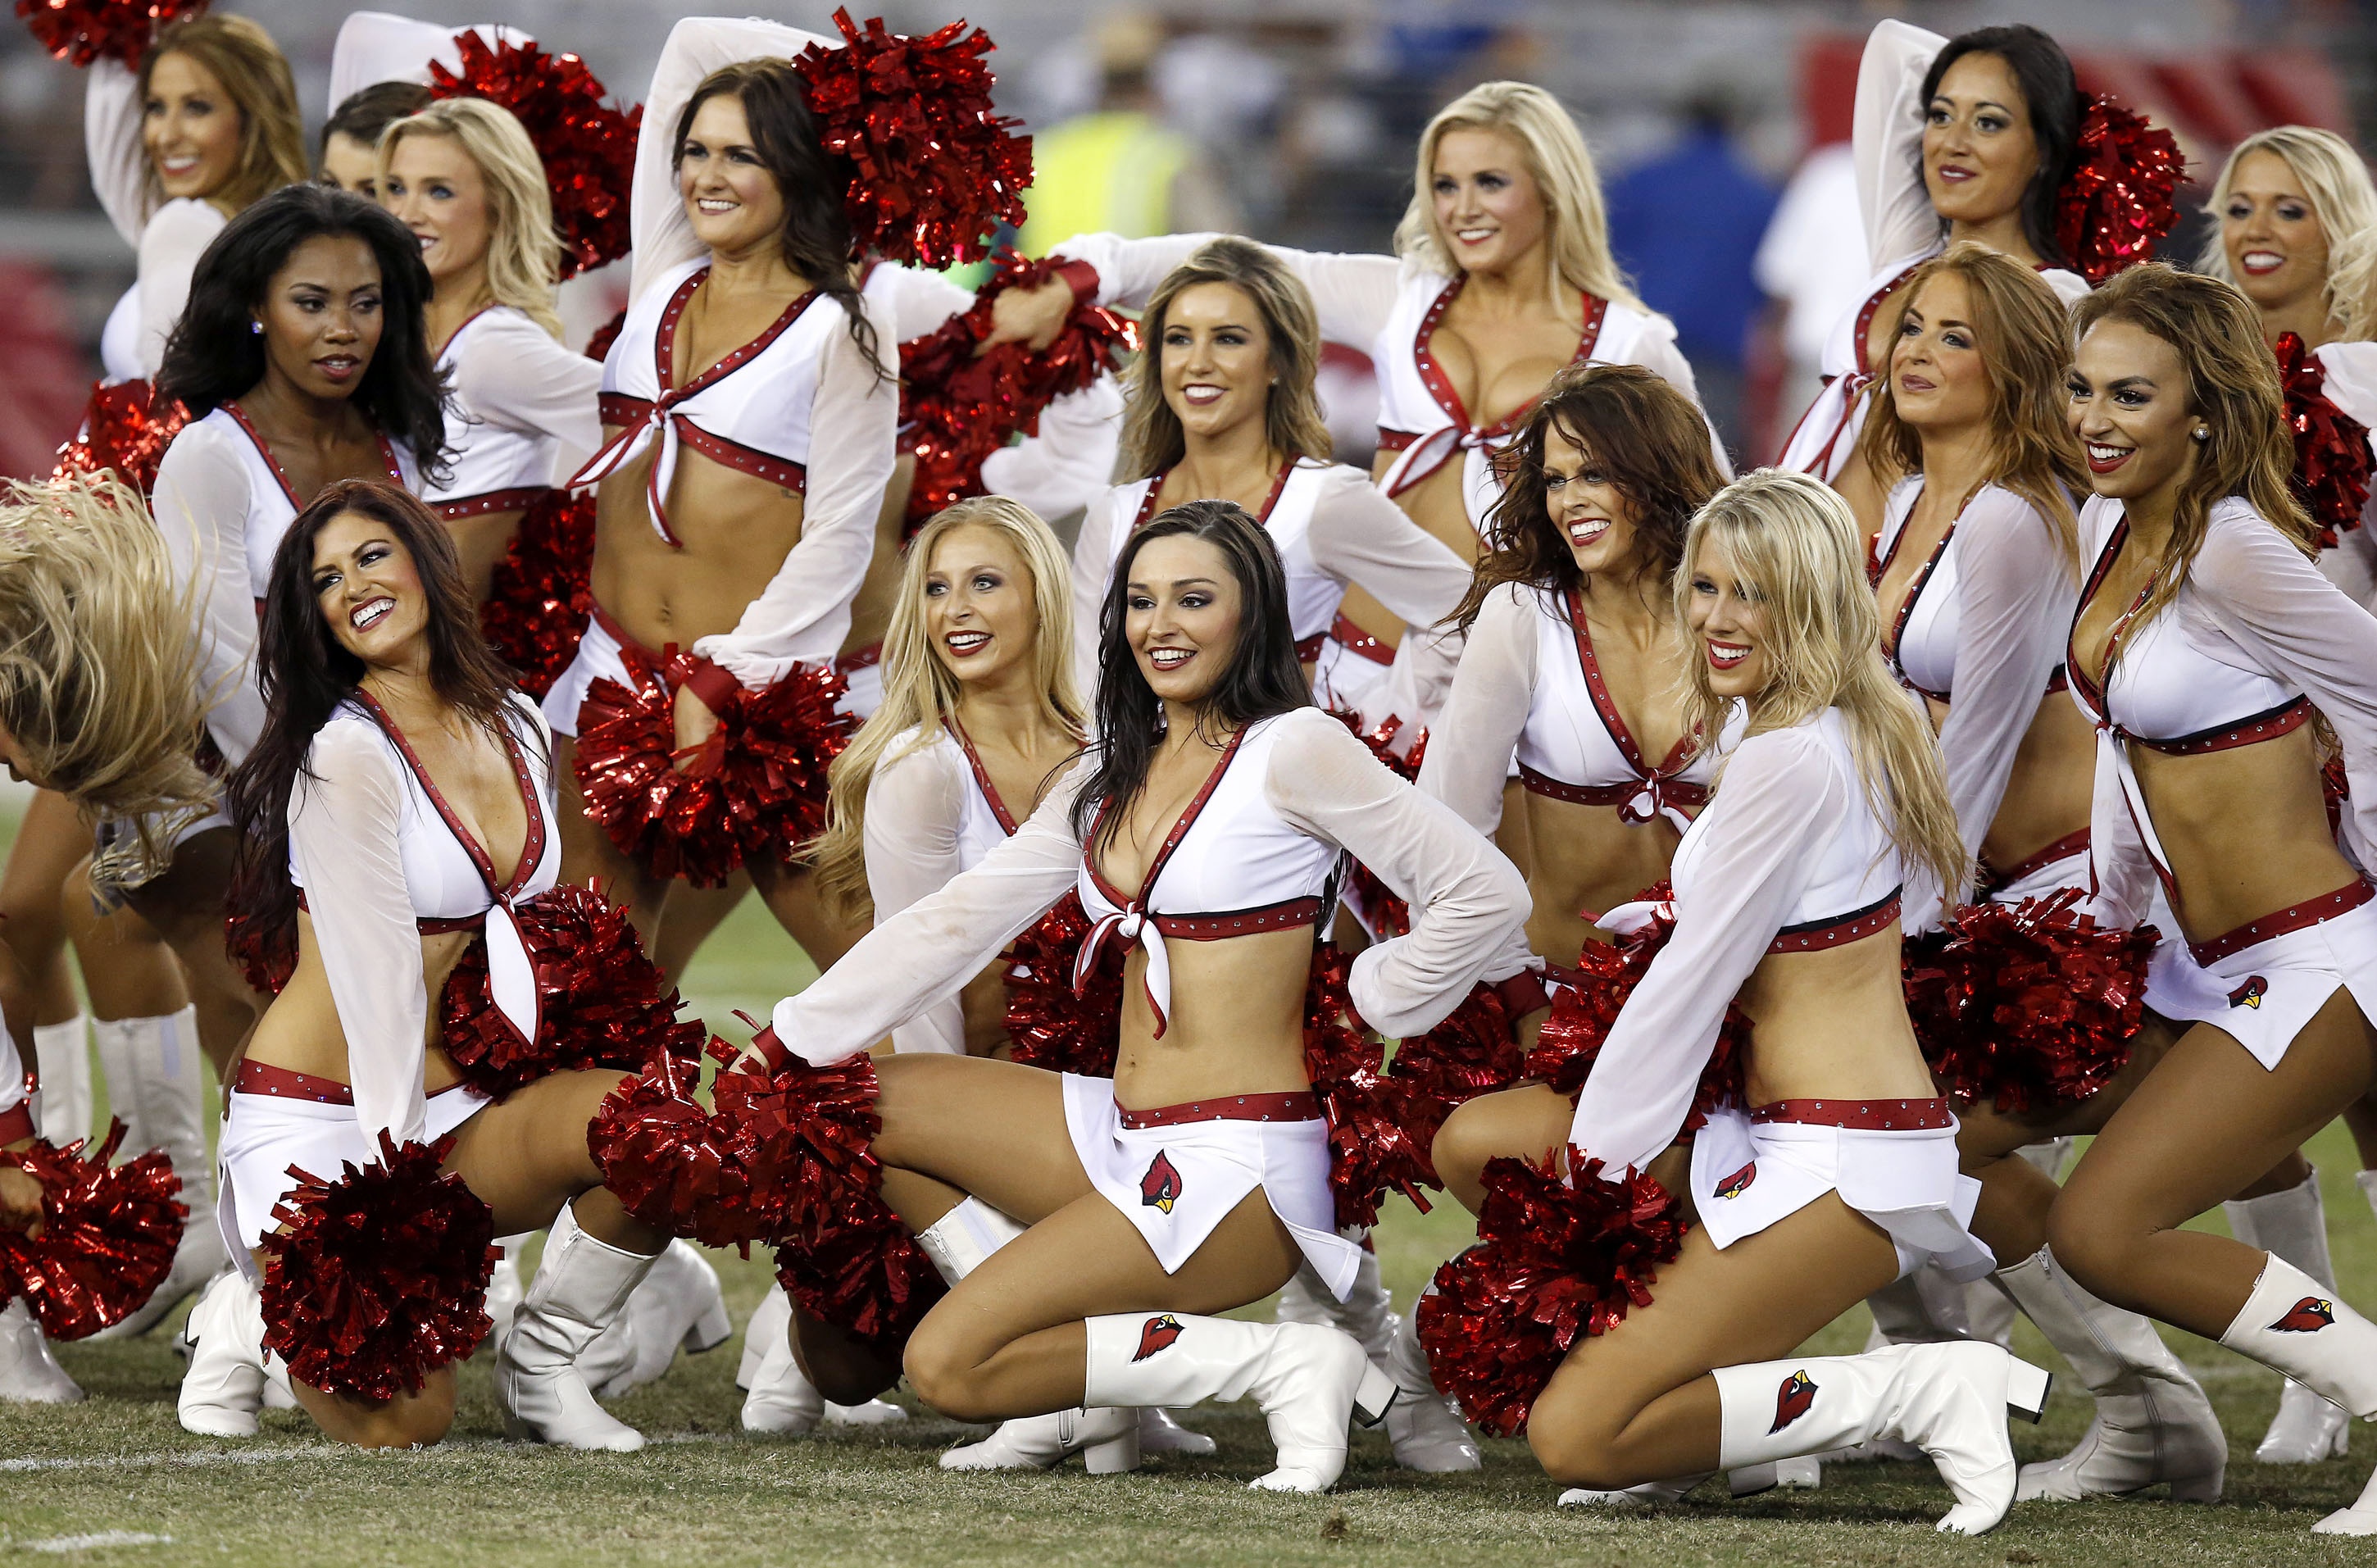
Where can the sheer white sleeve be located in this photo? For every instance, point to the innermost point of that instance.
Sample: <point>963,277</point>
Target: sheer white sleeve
<point>1094,554</point>
<point>344,826</point>
<point>914,805</point>
<point>803,613</point>
<point>12,1079</point>
<point>515,374</point>
<point>1782,793</point>
<point>1465,899</point>
<point>1353,294</point>
<point>663,240</point>
<point>1063,466</point>
<point>1359,536</point>
<point>2015,597</point>
<point>916,302</point>
<point>1476,731</point>
<point>200,505</point>
<point>170,249</point>
<point>111,141</point>
<point>378,46</point>
<point>1887,133</point>
<point>926,953</point>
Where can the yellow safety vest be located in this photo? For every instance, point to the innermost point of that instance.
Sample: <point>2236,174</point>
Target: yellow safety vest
<point>1105,173</point>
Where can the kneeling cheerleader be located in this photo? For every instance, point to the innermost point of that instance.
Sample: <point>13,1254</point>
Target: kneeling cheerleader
<point>423,1083</point>
<point>1835,1170</point>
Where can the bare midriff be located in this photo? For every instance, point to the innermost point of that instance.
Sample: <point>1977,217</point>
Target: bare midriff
<point>1832,1025</point>
<point>736,529</point>
<point>2227,878</point>
<point>300,1031</point>
<point>1236,1021</point>
<point>1586,860</point>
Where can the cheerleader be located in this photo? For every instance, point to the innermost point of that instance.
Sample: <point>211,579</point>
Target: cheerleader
<point>351,135</point>
<point>399,781</point>
<point>1975,575</point>
<point>2298,237</point>
<point>1197,1180</point>
<point>2204,637</point>
<point>1835,1170</point>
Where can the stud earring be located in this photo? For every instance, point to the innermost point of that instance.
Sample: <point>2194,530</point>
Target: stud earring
<point>256,329</point>
<point>2202,433</point>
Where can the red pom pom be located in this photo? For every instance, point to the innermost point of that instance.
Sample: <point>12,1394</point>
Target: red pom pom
<point>935,172</point>
<point>957,409</point>
<point>380,1278</point>
<point>2117,200</point>
<point>1553,1264</point>
<point>1047,1024</point>
<point>1473,1052</point>
<point>265,955</point>
<point>79,31</point>
<point>673,1165</point>
<point>2027,1005</point>
<point>601,1003</point>
<point>537,603</point>
<point>123,429</point>
<point>1370,1148</point>
<point>754,791</point>
<point>598,347</point>
<point>588,147</point>
<point>108,1235</point>
<point>2332,457</point>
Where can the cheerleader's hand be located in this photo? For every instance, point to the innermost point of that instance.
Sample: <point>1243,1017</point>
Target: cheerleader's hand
<point>1030,316</point>
<point>20,1200</point>
<point>697,724</point>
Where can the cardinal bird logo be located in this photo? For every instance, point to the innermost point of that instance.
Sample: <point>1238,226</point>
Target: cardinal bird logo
<point>1795,1399</point>
<point>2307,1316</point>
<point>2250,993</point>
<point>1160,1187</point>
<point>1155,1334</point>
<point>1734,1186</point>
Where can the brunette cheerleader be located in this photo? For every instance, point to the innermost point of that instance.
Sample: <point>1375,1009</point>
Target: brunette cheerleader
<point>1835,1169</point>
<point>1197,1180</point>
<point>2205,647</point>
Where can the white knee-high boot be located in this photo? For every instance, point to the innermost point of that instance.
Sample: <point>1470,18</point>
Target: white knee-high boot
<point>504,1288</point>
<point>1309,1380</point>
<point>63,1059</point>
<point>156,1081</point>
<point>582,1285</point>
<point>2294,1324</point>
<point>679,1305</point>
<point>2153,1423</point>
<point>2293,1224</point>
<point>29,1373</point>
<point>1948,1400</point>
<point>231,1376</point>
<point>1423,1428</point>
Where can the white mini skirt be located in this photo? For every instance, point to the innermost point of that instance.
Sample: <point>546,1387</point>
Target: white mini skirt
<point>264,1135</point>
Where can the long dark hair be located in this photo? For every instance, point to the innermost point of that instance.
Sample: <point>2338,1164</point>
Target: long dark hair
<point>816,240</point>
<point>1645,436</point>
<point>2050,96</point>
<point>215,356</point>
<point>304,674</point>
<point>1264,677</point>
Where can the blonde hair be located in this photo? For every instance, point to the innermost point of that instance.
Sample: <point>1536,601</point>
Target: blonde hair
<point>523,247</point>
<point>2337,183</point>
<point>2019,326</point>
<point>1795,546</point>
<point>97,650</point>
<point>920,694</point>
<point>1577,224</point>
<point>239,53</point>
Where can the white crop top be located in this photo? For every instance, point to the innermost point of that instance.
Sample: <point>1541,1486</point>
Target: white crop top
<point>1788,858</point>
<point>523,408</point>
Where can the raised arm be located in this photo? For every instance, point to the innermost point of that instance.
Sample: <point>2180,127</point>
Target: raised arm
<point>1359,536</point>
<point>1094,554</point>
<point>111,142</point>
<point>1069,461</point>
<point>915,803</point>
<point>378,46</point>
<point>516,375</point>
<point>1353,294</point>
<point>200,505</point>
<point>1887,137</point>
<point>1465,899</point>
<point>344,825</point>
<point>1469,750</point>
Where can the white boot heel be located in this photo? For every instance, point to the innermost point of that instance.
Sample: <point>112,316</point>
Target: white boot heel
<point>582,1287</point>
<point>2026,1390</point>
<point>1106,1437</point>
<point>1376,1396</point>
<point>226,1383</point>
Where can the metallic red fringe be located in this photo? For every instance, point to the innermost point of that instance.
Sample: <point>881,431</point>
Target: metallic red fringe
<point>2027,1005</point>
<point>2116,202</point>
<point>754,791</point>
<point>265,955</point>
<point>1049,1026</point>
<point>673,1165</point>
<point>108,1234</point>
<point>122,429</point>
<point>934,170</point>
<point>1473,1052</point>
<point>1370,1149</point>
<point>538,602</point>
<point>2332,457</point>
<point>601,1003</point>
<point>588,147</point>
<point>598,347</point>
<point>79,31</point>
<point>1553,1264</point>
<point>380,1277</point>
<point>957,409</point>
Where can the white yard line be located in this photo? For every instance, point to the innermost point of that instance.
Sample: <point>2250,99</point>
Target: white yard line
<point>205,1457</point>
<point>89,1543</point>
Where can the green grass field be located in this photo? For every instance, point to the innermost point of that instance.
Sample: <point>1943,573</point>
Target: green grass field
<point>115,1480</point>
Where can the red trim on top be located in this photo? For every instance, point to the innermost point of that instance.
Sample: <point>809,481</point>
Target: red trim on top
<point>386,457</point>
<point>2092,695</point>
<point>1285,916</point>
<point>1395,440</point>
<point>1291,1105</point>
<point>1179,831</point>
<point>1866,312</point>
<point>1354,639</point>
<point>1860,378</point>
<point>665,342</point>
<point>1664,789</point>
<point>519,499</point>
<point>17,1124</point>
<point>865,658</point>
<point>2294,917</point>
<point>1814,936</point>
<point>1154,485</point>
<point>2284,719</point>
<point>255,1077</point>
<point>1897,632</point>
<point>531,848</point>
<point>1678,755</point>
<point>982,777</point>
<point>1863,1115</point>
<point>458,332</point>
<point>1439,386</point>
<point>2063,848</point>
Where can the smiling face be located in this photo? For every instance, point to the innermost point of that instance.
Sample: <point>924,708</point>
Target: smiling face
<point>436,190</point>
<point>1728,617</point>
<point>1487,206</point>
<point>1937,377</point>
<point>1181,616</point>
<point>321,316</point>
<point>189,127</point>
<point>1979,151</point>
<point>347,164</point>
<point>979,609</point>
<point>730,197</point>
<point>1585,506</point>
<point>1217,359</point>
<point>2275,242</point>
<point>2130,407</point>
<point>370,592</point>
